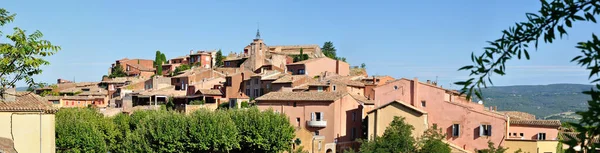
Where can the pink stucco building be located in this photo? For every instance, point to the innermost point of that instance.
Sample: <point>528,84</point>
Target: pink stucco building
<point>333,119</point>
<point>316,66</point>
<point>468,125</point>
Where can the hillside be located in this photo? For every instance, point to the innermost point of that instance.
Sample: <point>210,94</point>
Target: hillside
<point>554,101</point>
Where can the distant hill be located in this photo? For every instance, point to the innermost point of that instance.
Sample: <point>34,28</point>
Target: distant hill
<point>21,88</point>
<point>554,101</point>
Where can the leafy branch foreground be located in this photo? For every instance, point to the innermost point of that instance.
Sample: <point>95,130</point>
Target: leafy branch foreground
<point>553,18</point>
<point>246,131</point>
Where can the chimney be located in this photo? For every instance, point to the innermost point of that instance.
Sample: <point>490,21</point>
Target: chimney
<point>9,95</point>
<point>428,81</point>
<point>337,67</point>
<point>415,91</point>
<point>191,52</point>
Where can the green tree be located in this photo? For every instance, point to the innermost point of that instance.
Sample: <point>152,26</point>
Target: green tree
<point>492,149</point>
<point>219,58</point>
<point>363,65</point>
<point>181,68</point>
<point>212,131</point>
<point>553,19</point>
<point>117,71</point>
<point>431,141</point>
<point>262,131</point>
<point>396,138</point>
<point>159,60</point>
<point>83,130</point>
<point>329,50</point>
<point>170,104</point>
<point>23,55</point>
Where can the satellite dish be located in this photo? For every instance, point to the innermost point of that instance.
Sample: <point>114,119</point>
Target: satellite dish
<point>480,102</point>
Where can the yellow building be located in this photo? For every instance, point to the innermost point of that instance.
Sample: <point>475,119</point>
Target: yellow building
<point>26,123</point>
<point>542,146</point>
<point>380,118</point>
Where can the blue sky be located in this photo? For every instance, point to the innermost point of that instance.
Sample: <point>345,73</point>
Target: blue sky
<point>407,39</point>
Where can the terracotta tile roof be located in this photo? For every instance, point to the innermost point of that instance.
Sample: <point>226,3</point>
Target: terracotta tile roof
<point>516,115</point>
<point>401,103</point>
<point>362,99</point>
<point>273,77</point>
<point>210,92</point>
<point>73,97</point>
<point>168,91</point>
<point>289,78</point>
<point>27,102</point>
<point>7,145</point>
<point>552,123</point>
<point>190,72</point>
<point>141,67</point>
<point>301,96</point>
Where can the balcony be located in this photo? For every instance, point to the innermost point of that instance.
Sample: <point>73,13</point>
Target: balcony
<point>317,123</point>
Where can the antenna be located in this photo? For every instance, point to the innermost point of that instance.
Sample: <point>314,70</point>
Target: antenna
<point>436,79</point>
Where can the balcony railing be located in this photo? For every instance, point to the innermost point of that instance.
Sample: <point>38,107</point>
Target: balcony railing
<point>317,123</point>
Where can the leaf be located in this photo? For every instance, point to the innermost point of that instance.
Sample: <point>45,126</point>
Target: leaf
<point>590,17</point>
<point>466,67</point>
<point>526,54</point>
<point>568,23</point>
<point>498,71</point>
<point>561,30</point>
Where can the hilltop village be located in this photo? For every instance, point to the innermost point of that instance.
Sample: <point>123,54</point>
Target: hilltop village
<point>330,103</point>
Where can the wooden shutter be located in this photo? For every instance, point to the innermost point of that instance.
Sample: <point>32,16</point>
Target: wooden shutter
<point>322,116</point>
<point>489,130</point>
<point>312,116</point>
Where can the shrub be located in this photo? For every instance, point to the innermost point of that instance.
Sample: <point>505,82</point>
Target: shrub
<point>197,102</point>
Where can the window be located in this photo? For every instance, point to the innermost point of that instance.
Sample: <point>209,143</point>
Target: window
<point>353,116</point>
<point>514,134</point>
<point>300,71</point>
<point>455,130</point>
<point>85,89</point>
<point>333,87</point>
<point>248,92</point>
<point>55,102</point>
<point>127,69</point>
<point>395,87</point>
<point>317,132</point>
<point>78,102</point>
<point>255,81</point>
<point>227,63</point>
<point>294,104</point>
<point>541,136</point>
<point>320,89</point>
<point>317,116</point>
<point>298,121</point>
<point>485,130</point>
<point>248,83</point>
<point>423,103</point>
<point>227,81</point>
<point>521,134</point>
<point>256,93</point>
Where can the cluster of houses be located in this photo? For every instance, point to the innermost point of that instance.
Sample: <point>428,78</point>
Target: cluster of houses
<point>330,103</point>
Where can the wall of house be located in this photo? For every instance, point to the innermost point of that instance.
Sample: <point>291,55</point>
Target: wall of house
<point>26,130</point>
<point>345,109</point>
<point>531,146</point>
<point>468,115</point>
<point>531,132</point>
<point>380,119</point>
<point>146,74</point>
<point>143,62</point>
<point>303,111</point>
<point>294,69</point>
<point>66,102</point>
<point>236,85</point>
<point>342,68</point>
